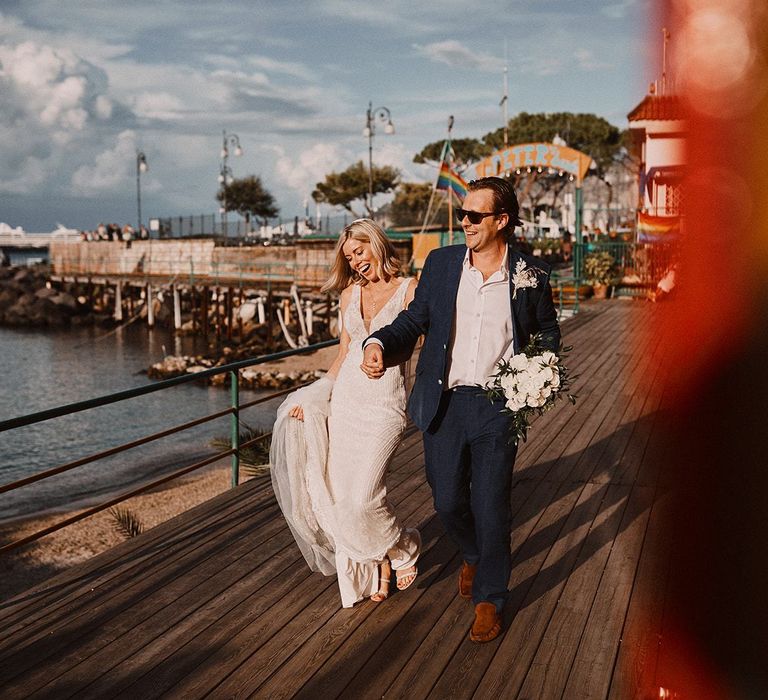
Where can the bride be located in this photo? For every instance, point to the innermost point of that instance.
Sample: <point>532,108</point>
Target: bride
<point>333,440</point>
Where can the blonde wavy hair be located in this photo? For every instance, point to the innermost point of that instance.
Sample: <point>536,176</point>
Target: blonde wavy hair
<point>367,231</point>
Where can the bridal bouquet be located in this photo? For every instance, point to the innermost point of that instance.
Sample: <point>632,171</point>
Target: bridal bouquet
<point>530,382</point>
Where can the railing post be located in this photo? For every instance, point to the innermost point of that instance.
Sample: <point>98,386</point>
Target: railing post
<point>234,383</point>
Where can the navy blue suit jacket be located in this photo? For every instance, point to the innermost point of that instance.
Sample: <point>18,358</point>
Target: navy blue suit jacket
<point>432,314</point>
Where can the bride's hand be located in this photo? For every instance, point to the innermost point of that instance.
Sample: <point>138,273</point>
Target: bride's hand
<point>297,412</point>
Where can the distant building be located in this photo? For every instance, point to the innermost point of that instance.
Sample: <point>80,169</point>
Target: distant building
<point>659,129</point>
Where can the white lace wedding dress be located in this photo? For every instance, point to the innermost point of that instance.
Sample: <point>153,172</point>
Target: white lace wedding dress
<point>328,471</point>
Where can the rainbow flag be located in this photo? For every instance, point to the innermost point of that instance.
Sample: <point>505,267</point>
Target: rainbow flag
<point>449,180</point>
<point>656,228</point>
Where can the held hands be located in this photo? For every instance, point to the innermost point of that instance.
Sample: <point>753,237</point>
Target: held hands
<point>373,361</point>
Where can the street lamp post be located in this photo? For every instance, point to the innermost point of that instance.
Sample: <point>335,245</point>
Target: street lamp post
<point>141,167</point>
<point>383,114</point>
<point>225,172</point>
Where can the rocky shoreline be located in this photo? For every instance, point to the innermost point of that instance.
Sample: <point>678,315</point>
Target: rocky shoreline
<point>28,301</point>
<point>250,378</point>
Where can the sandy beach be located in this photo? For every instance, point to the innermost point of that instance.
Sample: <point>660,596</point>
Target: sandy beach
<point>53,553</point>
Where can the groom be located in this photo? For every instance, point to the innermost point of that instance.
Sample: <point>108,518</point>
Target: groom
<point>475,305</point>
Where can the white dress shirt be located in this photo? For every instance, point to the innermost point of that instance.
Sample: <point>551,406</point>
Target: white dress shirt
<point>482,326</point>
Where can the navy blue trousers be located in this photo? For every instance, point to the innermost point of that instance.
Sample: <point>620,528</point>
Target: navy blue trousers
<point>469,465</point>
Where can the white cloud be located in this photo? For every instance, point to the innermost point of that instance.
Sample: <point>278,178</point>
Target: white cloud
<point>454,54</point>
<point>48,85</point>
<point>618,10</point>
<point>302,173</point>
<point>110,169</point>
<point>50,96</point>
<point>103,107</point>
<point>158,105</point>
<point>270,65</point>
<point>585,59</point>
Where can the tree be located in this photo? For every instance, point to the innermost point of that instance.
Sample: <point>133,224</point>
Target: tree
<point>341,189</point>
<point>248,197</point>
<point>587,133</point>
<point>464,151</point>
<point>410,205</point>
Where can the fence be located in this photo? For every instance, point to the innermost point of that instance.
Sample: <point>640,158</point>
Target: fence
<point>234,451</point>
<point>637,263</point>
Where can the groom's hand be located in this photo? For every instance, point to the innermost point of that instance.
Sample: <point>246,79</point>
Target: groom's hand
<point>373,361</point>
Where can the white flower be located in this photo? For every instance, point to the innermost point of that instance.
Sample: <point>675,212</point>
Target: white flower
<point>547,374</point>
<point>525,383</point>
<point>519,363</point>
<point>555,383</point>
<point>548,359</point>
<point>509,384</point>
<point>524,277</point>
<point>515,403</point>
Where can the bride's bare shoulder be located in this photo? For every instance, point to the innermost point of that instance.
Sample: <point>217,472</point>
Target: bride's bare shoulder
<point>411,291</point>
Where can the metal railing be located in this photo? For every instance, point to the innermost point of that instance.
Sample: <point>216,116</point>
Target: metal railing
<point>235,450</point>
<point>645,262</point>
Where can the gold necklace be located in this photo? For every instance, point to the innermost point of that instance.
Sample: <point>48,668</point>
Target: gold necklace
<point>374,305</point>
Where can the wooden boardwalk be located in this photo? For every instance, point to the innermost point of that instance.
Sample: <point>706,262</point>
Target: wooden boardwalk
<point>218,602</point>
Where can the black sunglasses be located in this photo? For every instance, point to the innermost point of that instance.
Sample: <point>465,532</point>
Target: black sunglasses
<point>475,217</point>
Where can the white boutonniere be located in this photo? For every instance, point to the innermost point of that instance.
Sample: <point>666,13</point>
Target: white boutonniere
<point>524,277</point>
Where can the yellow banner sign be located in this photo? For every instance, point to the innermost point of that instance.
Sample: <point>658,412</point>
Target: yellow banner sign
<point>535,155</point>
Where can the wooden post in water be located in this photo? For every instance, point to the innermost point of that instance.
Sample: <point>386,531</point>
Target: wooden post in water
<point>309,317</point>
<point>230,321</point>
<point>239,316</point>
<point>150,307</point>
<point>118,315</point>
<point>217,312</point>
<point>193,308</point>
<point>176,307</point>
<point>204,307</point>
<point>270,339</point>
<point>129,290</point>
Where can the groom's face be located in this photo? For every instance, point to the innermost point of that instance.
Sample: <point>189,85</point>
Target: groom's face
<point>485,235</point>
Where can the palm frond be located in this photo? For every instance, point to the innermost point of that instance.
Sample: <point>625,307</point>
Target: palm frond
<point>126,522</point>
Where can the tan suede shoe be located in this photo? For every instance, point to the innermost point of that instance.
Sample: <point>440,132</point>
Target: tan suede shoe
<point>487,625</point>
<point>466,577</point>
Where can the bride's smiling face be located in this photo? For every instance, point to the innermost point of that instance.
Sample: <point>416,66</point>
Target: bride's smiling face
<point>361,259</point>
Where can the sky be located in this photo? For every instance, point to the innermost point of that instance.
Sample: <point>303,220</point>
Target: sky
<point>85,84</point>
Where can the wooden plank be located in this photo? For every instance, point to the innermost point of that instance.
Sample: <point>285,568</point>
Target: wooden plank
<point>279,668</point>
<point>635,667</point>
<point>104,622</point>
<point>547,559</point>
<point>552,661</point>
<point>594,661</point>
<point>66,613</point>
<point>365,642</point>
<point>76,576</point>
<point>207,640</point>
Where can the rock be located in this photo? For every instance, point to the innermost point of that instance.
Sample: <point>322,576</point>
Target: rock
<point>7,299</point>
<point>26,299</point>
<point>65,300</point>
